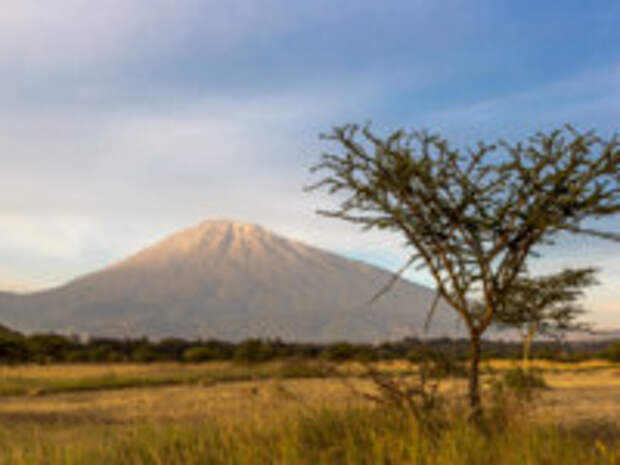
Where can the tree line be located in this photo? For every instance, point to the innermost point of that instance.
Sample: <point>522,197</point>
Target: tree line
<point>17,348</point>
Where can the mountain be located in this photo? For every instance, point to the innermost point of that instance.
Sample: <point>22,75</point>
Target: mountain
<point>231,281</point>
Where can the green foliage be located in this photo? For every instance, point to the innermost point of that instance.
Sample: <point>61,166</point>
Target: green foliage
<point>472,218</point>
<point>253,351</point>
<point>44,348</point>
<point>200,354</point>
<point>612,353</point>
<point>343,351</point>
<point>523,381</point>
<point>144,354</point>
<point>547,304</point>
<point>13,348</point>
<point>48,347</point>
<point>511,395</point>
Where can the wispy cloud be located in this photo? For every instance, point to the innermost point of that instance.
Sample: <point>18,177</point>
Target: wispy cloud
<point>589,99</point>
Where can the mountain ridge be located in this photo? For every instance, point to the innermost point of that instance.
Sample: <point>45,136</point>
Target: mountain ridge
<point>230,280</point>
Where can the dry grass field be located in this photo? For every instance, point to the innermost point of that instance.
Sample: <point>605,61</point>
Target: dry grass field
<point>134,414</point>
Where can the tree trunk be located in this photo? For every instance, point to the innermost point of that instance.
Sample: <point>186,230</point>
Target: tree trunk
<point>528,337</point>
<point>475,403</point>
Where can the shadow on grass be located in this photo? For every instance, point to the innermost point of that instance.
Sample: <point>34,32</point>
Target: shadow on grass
<point>591,431</point>
<point>14,419</point>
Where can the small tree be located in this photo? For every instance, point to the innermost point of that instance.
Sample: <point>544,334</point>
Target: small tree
<point>472,219</point>
<point>546,305</point>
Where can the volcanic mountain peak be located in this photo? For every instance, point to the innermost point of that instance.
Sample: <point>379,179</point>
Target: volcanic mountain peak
<point>209,239</point>
<point>229,280</point>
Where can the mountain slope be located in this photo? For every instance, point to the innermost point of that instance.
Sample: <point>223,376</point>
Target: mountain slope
<point>231,281</point>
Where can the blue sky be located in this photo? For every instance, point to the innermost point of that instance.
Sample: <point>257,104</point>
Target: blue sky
<point>124,120</point>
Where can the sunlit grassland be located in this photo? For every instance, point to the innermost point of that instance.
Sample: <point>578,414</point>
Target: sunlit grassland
<point>50,379</point>
<point>253,414</point>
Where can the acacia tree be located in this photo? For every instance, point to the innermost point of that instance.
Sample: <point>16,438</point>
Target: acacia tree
<point>547,305</point>
<point>472,218</point>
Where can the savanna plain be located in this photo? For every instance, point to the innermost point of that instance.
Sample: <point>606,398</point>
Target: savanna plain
<point>298,412</point>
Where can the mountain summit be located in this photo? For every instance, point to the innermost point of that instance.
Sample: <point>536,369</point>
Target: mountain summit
<point>230,280</point>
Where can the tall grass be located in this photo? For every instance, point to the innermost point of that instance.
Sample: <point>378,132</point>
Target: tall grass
<point>356,436</point>
<point>283,421</point>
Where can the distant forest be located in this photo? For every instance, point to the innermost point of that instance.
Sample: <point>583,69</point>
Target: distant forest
<point>16,348</point>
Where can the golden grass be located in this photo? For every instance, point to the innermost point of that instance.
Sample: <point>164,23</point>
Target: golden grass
<point>141,425</point>
<point>81,371</point>
<point>345,436</point>
<point>549,365</point>
<point>85,371</point>
<point>37,380</point>
<point>574,393</point>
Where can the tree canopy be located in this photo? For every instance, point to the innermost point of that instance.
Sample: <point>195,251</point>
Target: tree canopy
<point>472,217</point>
<point>548,304</point>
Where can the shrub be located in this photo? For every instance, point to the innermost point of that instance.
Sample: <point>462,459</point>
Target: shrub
<point>438,363</point>
<point>253,351</point>
<point>13,348</point>
<point>200,354</point>
<point>523,382</point>
<point>48,347</point>
<point>340,352</point>
<point>612,353</point>
<point>76,356</point>
<point>144,354</point>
